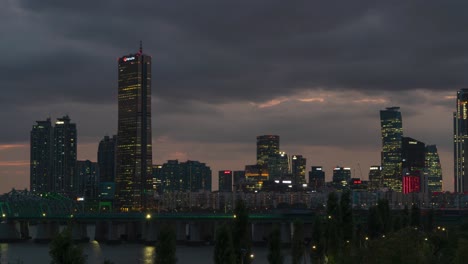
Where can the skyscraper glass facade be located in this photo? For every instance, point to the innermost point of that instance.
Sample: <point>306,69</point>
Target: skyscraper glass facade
<point>267,145</point>
<point>433,169</point>
<point>392,133</point>
<point>41,162</point>
<point>64,156</point>
<point>134,150</point>
<point>460,141</point>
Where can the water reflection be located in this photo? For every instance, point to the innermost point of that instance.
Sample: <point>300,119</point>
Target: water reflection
<point>148,255</point>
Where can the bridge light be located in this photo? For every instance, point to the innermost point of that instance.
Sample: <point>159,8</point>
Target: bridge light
<point>235,216</point>
<point>3,215</point>
<point>314,247</point>
<point>148,216</point>
<point>71,216</point>
<point>252,256</point>
<point>44,214</point>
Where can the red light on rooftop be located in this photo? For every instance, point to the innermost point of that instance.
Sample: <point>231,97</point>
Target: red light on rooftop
<point>227,172</point>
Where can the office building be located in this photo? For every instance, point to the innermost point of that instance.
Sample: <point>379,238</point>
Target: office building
<point>298,169</point>
<point>225,181</point>
<point>413,156</point>
<point>64,156</point>
<point>106,158</point>
<point>267,145</point>
<point>316,177</point>
<point>87,179</point>
<point>278,166</point>
<point>341,176</point>
<point>133,178</point>
<point>391,159</point>
<point>433,169</point>
<point>41,162</point>
<point>239,179</point>
<point>375,177</point>
<point>460,141</point>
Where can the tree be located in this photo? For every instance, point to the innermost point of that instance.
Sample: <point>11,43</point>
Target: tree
<point>333,236</point>
<point>274,247</point>
<point>346,209</point>
<point>166,246</point>
<point>240,233</point>
<point>297,245</point>
<point>384,215</point>
<point>415,216</point>
<point>405,217</point>
<point>62,250</point>
<point>224,250</point>
<point>317,248</point>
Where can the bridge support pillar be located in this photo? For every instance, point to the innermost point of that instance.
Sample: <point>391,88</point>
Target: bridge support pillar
<point>285,230</point>
<point>194,229</point>
<point>46,230</point>
<point>24,230</point>
<point>181,231</point>
<point>260,232</point>
<point>9,232</point>
<point>107,231</point>
<point>150,231</point>
<point>132,231</point>
<point>80,232</point>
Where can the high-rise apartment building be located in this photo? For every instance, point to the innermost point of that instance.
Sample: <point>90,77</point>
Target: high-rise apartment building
<point>460,141</point>
<point>298,169</point>
<point>184,176</point>
<point>134,149</point>
<point>433,169</point>
<point>316,177</point>
<point>267,145</point>
<point>392,133</point>
<point>41,163</point>
<point>64,156</point>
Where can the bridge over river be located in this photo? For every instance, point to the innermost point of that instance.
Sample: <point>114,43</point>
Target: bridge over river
<point>47,214</point>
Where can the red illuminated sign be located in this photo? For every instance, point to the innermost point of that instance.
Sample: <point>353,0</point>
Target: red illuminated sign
<point>128,58</point>
<point>227,172</point>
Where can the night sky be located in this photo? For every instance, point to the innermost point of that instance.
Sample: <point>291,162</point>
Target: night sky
<point>314,72</point>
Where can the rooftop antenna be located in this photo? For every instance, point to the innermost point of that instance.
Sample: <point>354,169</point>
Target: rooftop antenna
<point>141,46</point>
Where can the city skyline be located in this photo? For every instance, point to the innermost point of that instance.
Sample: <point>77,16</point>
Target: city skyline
<point>318,80</point>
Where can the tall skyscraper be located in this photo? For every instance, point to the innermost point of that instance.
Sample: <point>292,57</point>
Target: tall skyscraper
<point>375,177</point>
<point>267,145</point>
<point>41,164</point>
<point>298,169</point>
<point>433,169</point>
<point>341,176</point>
<point>87,179</point>
<point>64,156</point>
<point>134,149</point>
<point>460,141</point>
<point>392,133</point>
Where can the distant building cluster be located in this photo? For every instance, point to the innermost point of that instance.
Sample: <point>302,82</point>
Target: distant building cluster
<point>125,179</point>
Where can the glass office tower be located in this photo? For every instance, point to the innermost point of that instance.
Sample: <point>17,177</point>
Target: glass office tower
<point>460,141</point>
<point>392,133</point>
<point>134,150</point>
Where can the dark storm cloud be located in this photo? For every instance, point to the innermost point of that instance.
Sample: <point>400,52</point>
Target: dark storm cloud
<point>220,51</point>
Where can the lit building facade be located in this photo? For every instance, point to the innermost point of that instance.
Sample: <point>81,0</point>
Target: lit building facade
<point>375,177</point>
<point>411,184</point>
<point>64,156</point>
<point>87,179</point>
<point>267,145</point>
<point>391,159</point>
<point>134,150</point>
<point>433,169</point>
<point>316,177</point>
<point>41,162</point>
<point>189,176</point>
<point>278,166</point>
<point>460,141</point>
<point>225,181</point>
<point>341,176</point>
<point>298,169</point>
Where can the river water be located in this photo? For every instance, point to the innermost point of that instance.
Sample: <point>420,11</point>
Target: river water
<point>30,252</point>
